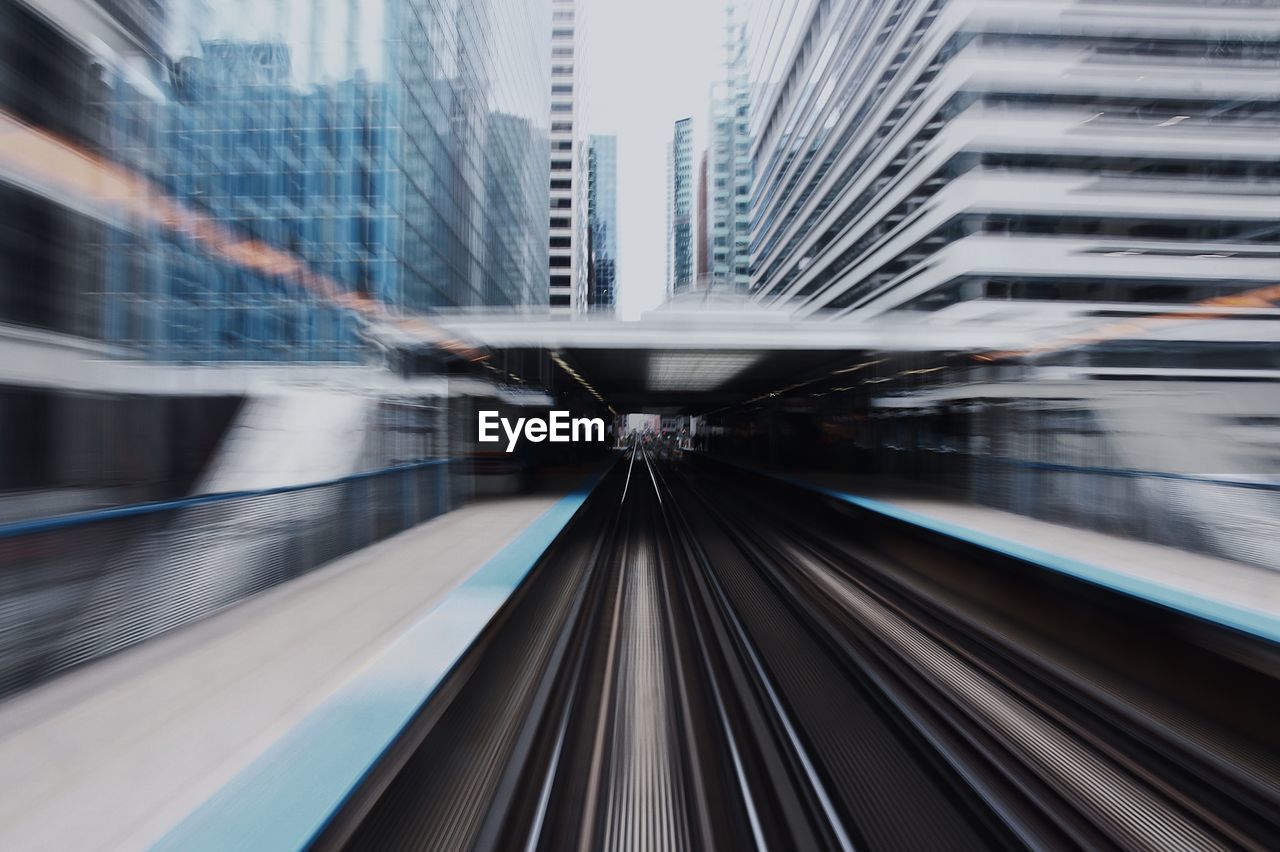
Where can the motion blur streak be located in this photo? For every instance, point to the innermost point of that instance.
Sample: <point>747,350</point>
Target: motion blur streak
<point>1219,307</point>
<point>936,506</point>
<point>60,167</point>
<point>706,679</point>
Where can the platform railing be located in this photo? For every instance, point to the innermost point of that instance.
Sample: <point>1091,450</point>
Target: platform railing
<point>76,587</point>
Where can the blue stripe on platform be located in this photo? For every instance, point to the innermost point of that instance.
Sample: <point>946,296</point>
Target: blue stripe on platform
<point>282,799</point>
<point>1251,621</point>
<point>1236,617</point>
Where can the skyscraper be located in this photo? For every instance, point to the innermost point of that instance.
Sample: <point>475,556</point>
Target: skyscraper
<point>569,262</point>
<point>729,163</point>
<point>937,159</point>
<point>192,182</point>
<point>680,207</point>
<point>703,213</point>
<point>602,208</point>
<point>398,170</point>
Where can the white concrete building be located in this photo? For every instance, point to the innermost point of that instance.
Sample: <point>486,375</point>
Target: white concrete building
<point>569,226</point>
<point>989,157</point>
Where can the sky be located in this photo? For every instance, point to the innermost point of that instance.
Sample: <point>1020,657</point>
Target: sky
<point>648,63</point>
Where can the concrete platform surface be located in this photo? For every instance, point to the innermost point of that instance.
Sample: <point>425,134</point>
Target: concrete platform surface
<point>1244,596</point>
<point>115,754</point>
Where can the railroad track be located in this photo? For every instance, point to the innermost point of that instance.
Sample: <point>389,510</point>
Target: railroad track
<point>702,662</point>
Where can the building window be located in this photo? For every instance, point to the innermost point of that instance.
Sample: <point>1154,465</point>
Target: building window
<point>562,145</point>
<point>562,106</point>
<point>562,242</point>
<point>562,89</point>
<point>560,281</point>
<point>562,32</point>
<point>561,69</point>
<point>561,165</point>
<point>562,204</point>
<point>560,222</point>
<point>559,300</point>
<point>562,127</point>
<point>560,261</point>
<point>562,183</point>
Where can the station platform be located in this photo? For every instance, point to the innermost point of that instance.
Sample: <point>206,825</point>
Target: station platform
<point>249,729</point>
<point>142,748</point>
<point>1245,597</point>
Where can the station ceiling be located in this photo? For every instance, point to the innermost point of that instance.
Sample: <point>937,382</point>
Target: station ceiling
<point>703,361</point>
<point>697,381</point>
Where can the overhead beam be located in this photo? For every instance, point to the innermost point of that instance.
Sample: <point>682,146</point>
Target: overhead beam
<point>896,336</point>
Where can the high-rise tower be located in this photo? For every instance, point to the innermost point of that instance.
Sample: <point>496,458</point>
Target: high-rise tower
<point>602,210</point>
<point>929,156</point>
<point>680,207</point>
<point>569,261</point>
<point>729,164</point>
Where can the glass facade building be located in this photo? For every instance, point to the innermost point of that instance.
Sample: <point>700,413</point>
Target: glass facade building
<point>680,207</point>
<point>729,163</point>
<point>602,207</point>
<point>329,161</point>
